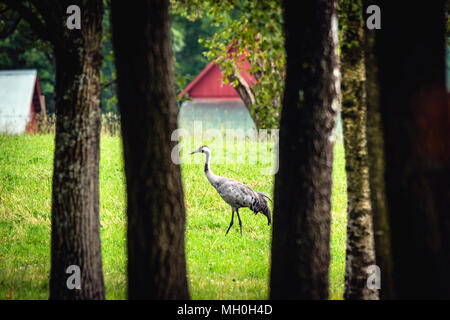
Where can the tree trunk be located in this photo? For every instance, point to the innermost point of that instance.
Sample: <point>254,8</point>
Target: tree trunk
<point>75,188</point>
<point>301,230</point>
<point>415,120</point>
<point>376,159</point>
<point>156,212</point>
<point>245,92</point>
<point>360,243</point>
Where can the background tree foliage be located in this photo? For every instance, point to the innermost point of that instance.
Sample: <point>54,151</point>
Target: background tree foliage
<point>188,51</point>
<point>201,32</point>
<point>254,29</point>
<point>20,48</point>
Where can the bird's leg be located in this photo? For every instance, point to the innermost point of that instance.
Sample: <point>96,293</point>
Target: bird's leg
<point>240,222</point>
<point>231,223</point>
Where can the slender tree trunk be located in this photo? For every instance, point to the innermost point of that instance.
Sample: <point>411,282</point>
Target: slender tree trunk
<point>245,92</point>
<point>301,230</point>
<point>156,212</point>
<point>360,243</point>
<point>415,120</point>
<point>376,157</point>
<point>75,188</point>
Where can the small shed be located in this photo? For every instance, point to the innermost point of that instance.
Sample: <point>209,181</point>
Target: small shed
<point>20,101</point>
<point>214,103</point>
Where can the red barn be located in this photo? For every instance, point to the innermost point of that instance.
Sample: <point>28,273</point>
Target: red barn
<point>213,102</point>
<point>20,101</point>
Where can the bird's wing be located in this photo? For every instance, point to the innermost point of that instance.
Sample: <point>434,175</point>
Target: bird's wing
<point>236,194</point>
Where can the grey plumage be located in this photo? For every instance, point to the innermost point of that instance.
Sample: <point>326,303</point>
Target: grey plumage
<point>235,193</point>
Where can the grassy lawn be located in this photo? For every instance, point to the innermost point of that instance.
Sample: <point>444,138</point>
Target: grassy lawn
<point>219,267</point>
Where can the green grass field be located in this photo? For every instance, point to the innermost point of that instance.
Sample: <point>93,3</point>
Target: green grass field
<point>219,266</point>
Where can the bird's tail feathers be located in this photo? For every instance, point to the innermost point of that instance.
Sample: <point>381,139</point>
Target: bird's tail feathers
<point>265,196</point>
<point>263,206</point>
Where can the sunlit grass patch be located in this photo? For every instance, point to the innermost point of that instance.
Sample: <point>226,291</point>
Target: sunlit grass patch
<point>219,266</point>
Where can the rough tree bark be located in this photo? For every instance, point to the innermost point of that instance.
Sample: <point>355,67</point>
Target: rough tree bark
<point>415,120</point>
<point>360,252</point>
<point>156,212</point>
<point>75,197</point>
<point>376,161</point>
<point>301,230</point>
<point>75,236</point>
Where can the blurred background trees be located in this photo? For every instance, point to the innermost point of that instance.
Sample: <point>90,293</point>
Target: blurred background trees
<point>21,49</point>
<point>253,29</point>
<point>201,32</point>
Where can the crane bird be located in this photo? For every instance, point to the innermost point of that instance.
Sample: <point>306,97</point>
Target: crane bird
<point>236,194</point>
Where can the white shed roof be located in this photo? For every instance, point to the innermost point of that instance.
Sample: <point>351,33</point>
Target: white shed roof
<point>16,92</point>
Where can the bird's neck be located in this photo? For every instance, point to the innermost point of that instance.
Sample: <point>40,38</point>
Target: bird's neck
<point>212,178</point>
<point>208,156</point>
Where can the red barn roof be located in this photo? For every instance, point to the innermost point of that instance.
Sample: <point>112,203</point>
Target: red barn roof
<point>209,83</point>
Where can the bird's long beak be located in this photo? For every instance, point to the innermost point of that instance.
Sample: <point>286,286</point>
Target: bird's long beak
<point>196,151</point>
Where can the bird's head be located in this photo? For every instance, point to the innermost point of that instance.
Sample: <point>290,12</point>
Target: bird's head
<point>202,149</point>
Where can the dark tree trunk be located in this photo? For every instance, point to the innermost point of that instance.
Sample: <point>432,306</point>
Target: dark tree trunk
<point>301,231</point>
<point>75,195</point>
<point>360,252</point>
<point>156,212</point>
<point>415,119</point>
<point>375,146</point>
<point>75,236</point>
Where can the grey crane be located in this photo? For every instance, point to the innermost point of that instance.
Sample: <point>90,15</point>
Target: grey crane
<point>236,194</point>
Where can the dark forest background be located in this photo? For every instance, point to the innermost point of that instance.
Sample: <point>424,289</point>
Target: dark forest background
<point>20,51</point>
